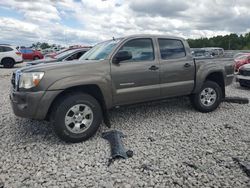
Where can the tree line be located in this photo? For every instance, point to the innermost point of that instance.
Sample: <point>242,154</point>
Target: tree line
<point>43,45</point>
<point>228,42</point>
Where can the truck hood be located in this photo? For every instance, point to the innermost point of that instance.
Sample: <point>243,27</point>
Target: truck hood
<point>40,61</point>
<point>44,67</point>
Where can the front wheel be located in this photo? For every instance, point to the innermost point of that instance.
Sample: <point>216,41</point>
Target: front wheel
<point>77,117</point>
<point>208,98</point>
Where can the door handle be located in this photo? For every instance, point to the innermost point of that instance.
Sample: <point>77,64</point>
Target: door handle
<point>187,65</point>
<point>153,67</point>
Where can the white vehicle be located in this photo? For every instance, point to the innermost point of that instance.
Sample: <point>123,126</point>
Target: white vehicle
<point>9,56</point>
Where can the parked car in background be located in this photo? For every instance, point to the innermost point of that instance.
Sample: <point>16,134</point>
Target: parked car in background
<point>30,54</point>
<point>236,56</point>
<point>215,51</point>
<point>9,56</point>
<point>53,54</point>
<point>76,96</point>
<point>242,60</point>
<point>200,53</point>
<point>244,75</point>
<point>65,56</point>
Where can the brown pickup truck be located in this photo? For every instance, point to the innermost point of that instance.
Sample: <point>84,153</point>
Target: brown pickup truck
<point>76,96</point>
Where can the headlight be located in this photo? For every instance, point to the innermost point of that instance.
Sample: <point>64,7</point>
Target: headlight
<point>30,79</point>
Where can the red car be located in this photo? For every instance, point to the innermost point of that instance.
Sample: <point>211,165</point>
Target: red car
<point>242,60</point>
<point>28,53</point>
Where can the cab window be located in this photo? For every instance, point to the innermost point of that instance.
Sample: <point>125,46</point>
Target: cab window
<point>140,49</point>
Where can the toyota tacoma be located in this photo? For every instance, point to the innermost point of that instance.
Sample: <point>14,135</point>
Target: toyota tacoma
<point>76,96</point>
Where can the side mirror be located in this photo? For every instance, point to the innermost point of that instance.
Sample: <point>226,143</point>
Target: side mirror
<point>122,56</point>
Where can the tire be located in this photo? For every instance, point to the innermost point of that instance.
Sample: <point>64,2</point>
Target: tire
<point>36,58</point>
<point>63,114</point>
<point>8,63</point>
<point>204,103</point>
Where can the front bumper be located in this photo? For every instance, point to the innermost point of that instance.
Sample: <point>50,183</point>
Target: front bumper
<point>34,105</point>
<point>241,77</point>
<point>244,80</point>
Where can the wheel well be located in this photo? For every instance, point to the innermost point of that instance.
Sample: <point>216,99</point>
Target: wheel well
<point>219,79</point>
<point>7,58</point>
<point>92,90</point>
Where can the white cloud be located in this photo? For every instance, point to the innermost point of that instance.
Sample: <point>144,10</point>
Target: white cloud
<point>45,20</point>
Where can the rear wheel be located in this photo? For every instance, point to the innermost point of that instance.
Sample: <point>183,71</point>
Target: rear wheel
<point>36,58</point>
<point>208,98</point>
<point>77,117</point>
<point>8,63</point>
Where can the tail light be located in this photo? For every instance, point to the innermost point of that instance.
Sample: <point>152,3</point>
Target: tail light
<point>18,53</point>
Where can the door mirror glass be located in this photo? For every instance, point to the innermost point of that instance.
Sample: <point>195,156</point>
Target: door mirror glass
<point>122,56</point>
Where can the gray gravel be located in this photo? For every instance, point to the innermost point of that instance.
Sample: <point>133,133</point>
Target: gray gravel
<point>174,146</point>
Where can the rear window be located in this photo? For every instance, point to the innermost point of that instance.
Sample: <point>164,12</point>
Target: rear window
<point>171,49</point>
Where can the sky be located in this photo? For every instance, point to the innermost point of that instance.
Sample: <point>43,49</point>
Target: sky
<point>87,22</point>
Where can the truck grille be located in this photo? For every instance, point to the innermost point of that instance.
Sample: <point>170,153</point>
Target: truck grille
<point>244,72</point>
<point>15,79</point>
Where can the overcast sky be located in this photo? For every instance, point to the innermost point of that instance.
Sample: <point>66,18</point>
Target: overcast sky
<point>23,22</point>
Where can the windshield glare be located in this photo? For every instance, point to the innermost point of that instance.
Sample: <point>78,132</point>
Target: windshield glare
<point>100,51</point>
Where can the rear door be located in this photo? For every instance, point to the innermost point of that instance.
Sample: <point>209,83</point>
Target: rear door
<point>137,79</point>
<point>177,68</point>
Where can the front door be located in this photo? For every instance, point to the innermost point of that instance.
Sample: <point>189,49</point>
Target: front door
<point>137,79</point>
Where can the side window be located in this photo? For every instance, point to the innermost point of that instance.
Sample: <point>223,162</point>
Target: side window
<point>1,49</point>
<point>7,49</point>
<point>72,57</point>
<point>171,49</point>
<point>140,49</point>
<point>79,54</point>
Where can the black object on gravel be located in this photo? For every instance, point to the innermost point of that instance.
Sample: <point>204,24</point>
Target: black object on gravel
<point>238,100</point>
<point>115,140</point>
<point>243,165</point>
<point>1,184</point>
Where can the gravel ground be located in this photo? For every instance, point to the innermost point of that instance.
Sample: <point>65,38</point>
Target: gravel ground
<point>174,146</point>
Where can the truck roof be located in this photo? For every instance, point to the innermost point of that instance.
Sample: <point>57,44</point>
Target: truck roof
<point>153,35</point>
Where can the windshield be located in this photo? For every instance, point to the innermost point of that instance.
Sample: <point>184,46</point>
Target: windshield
<point>100,51</point>
<point>63,54</point>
